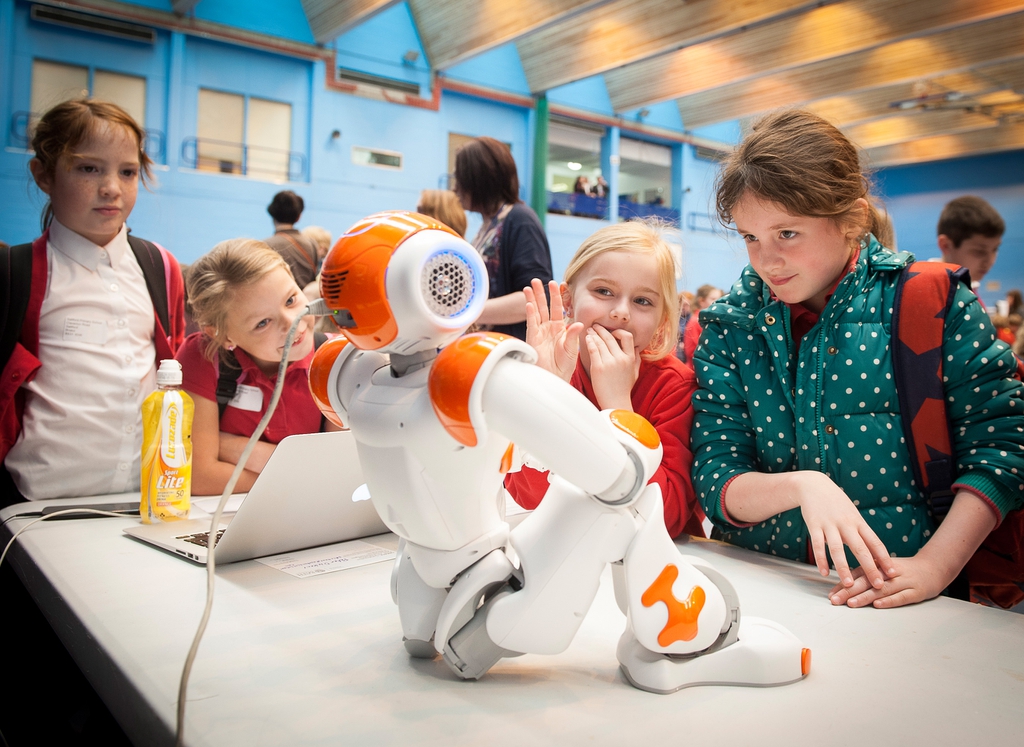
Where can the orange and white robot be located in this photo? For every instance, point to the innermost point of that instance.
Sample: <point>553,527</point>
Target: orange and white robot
<point>435,414</point>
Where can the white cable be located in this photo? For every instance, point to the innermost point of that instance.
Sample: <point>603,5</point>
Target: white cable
<point>315,309</point>
<point>69,510</point>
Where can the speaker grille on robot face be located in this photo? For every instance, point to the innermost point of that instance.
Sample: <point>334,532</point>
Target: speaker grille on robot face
<point>447,284</point>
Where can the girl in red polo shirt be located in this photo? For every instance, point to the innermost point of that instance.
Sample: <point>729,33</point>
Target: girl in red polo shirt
<point>244,299</point>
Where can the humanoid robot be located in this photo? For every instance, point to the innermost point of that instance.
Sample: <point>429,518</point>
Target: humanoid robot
<point>435,415</point>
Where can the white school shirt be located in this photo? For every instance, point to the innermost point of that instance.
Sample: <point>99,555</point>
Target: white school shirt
<point>82,427</point>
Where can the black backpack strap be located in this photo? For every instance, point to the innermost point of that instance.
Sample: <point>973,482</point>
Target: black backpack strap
<point>16,286</point>
<point>924,295</point>
<point>152,263</point>
<point>227,379</point>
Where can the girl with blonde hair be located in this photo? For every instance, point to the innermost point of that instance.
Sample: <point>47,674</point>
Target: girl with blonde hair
<point>619,294</point>
<point>244,299</point>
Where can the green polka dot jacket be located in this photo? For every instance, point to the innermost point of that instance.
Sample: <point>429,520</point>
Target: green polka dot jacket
<point>832,406</point>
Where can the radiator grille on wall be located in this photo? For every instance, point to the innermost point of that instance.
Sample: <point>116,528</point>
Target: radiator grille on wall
<point>96,24</point>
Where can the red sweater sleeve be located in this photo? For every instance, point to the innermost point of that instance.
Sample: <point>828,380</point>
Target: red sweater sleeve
<point>661,394</point>
<point>691,336</point>
<point>527,487</point>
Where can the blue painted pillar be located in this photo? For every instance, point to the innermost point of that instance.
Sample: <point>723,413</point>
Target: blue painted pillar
<point>610,170</point>
<point>677,180</point>
<point>175,83</point>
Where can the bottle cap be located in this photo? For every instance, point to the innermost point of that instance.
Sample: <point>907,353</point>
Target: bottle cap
<point>169,373</point>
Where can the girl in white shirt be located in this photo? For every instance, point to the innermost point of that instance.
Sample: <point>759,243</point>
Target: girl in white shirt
<point>91,338</point>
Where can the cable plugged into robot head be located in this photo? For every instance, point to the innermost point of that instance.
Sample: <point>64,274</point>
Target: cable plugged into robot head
<point>401,282</point>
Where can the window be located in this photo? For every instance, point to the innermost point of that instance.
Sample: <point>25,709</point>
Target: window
<point>237,134</point>
<point>455,142</point>
<point>54,82</point>
<point>573,170</point>
<point>645,173</point>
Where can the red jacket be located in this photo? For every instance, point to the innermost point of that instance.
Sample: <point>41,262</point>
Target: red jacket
<point>24,362</point>
<point>661,394</point>
<point>691,335</point>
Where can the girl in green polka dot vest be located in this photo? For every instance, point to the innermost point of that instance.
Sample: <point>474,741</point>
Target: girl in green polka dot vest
<point>798,443</point>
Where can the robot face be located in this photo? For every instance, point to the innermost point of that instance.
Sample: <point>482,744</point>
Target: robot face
<point>402,283</point>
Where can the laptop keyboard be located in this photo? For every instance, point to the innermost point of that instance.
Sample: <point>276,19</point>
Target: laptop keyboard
<point>202,538</point>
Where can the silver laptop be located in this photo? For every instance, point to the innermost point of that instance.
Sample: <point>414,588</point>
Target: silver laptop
<point>310,493</point>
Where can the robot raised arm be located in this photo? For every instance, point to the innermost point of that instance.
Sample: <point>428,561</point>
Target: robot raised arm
<point>486,382</point>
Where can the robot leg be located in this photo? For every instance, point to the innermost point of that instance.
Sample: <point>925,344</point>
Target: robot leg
<point>683,624</point>
<point>564,546</point>
<point>418,606</point>
<point>461,633</point>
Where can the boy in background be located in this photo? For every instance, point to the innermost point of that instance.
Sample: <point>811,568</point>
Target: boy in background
<point>970,232</point>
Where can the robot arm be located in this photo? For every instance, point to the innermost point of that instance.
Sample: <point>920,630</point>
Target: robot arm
<point>488,382</point>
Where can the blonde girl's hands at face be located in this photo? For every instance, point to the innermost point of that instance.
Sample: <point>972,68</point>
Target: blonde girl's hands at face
<point>832,522</point>
<point>556,342</point>
<point>614,366</point>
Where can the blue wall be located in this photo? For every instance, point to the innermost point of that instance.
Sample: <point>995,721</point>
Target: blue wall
<point>189,211</point>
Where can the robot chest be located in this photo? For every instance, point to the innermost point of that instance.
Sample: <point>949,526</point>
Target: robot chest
<point>393,415</point>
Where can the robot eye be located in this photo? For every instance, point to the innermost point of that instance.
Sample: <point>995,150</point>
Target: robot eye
<point>448,284</point>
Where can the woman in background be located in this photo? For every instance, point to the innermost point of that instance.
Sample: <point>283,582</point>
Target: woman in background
<point>511,239</point>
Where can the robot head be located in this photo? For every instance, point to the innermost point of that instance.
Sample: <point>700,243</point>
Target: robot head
<point>402,282</point>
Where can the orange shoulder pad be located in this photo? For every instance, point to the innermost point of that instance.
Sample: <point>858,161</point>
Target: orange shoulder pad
<point>453,375</point>
<point>320,369</point>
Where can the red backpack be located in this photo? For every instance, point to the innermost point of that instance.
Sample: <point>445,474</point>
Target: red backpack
<point>924,294</point>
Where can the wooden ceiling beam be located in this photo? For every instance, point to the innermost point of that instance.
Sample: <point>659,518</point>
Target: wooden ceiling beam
<point>862,106</point>
<point>626,31</point>
<point>916,125</point>
<point>792,42</point>
<point>452,31</point>
<point>960,49</point>
<point>980,142</point>
<point>328,19</point>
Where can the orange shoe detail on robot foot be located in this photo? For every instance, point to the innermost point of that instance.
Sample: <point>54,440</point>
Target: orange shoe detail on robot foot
<point>682,616</point>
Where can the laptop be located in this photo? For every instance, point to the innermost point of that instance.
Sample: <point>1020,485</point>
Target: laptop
<point>310,493</point>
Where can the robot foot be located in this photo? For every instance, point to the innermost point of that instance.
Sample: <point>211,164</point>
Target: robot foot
<point>765,654</point>
<point>419,649</point>
<point>470,653</point>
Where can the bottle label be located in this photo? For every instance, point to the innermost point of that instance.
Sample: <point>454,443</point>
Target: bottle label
<point>167,456</point>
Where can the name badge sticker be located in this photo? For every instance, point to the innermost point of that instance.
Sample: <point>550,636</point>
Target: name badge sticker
<point>91,331</point>
<point>248,398</point>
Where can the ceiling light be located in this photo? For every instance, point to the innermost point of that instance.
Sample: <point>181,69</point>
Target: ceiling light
<point>573,166</point>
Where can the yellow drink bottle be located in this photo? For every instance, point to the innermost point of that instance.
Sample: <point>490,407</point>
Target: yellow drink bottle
<point>166,448</point>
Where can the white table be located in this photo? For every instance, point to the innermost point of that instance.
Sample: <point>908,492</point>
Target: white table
<point>319,661</point>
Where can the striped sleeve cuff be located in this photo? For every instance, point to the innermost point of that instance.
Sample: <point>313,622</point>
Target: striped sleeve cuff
<point>996,495</point>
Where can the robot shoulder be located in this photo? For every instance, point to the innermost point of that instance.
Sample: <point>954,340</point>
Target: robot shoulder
<point>458,376</point>
<point>334,373</point>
